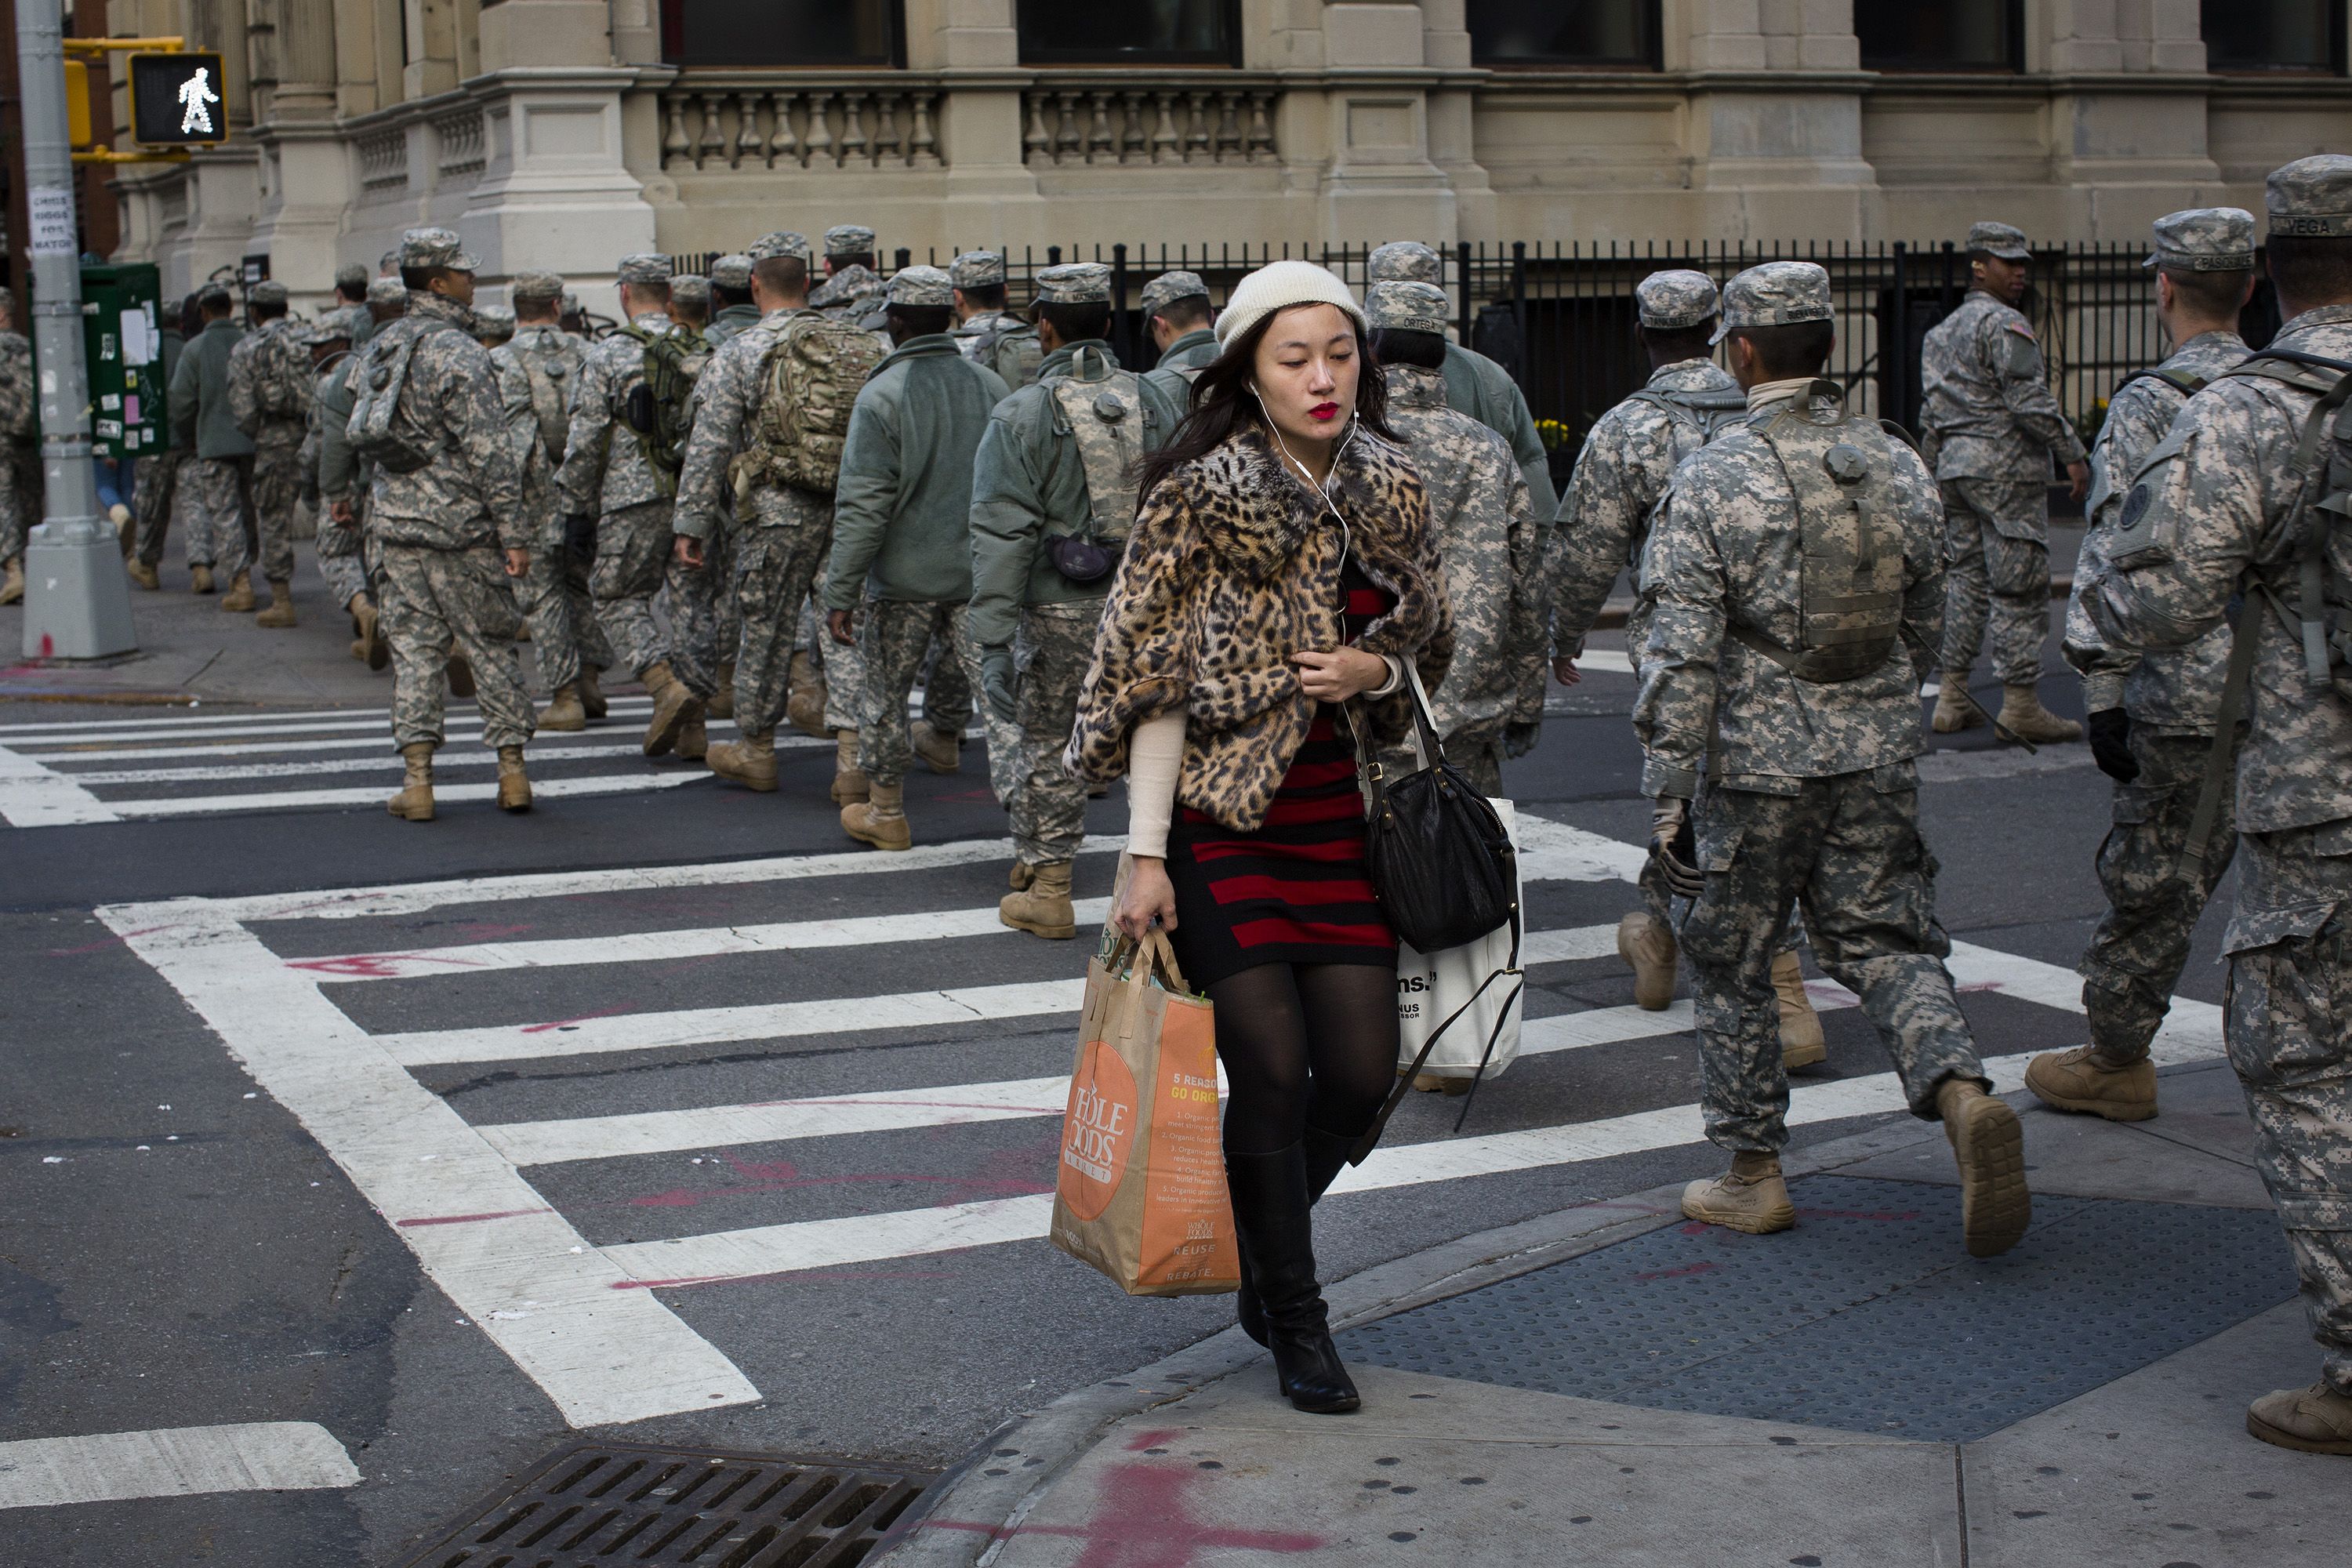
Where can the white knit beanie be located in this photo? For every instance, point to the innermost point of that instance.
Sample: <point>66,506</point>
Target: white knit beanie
<point>1278,286</point>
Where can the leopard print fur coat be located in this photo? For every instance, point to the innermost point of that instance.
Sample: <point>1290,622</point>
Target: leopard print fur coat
<point>1233,565</point>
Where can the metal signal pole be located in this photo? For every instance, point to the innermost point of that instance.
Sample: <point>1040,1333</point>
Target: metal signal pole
<point>76,596</point>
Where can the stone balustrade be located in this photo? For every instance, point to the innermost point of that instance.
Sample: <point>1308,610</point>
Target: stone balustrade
<point>1086,120</point>
<point>714,120</point>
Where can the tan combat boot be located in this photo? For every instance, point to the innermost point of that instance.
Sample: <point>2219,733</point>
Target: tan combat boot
<point>415,800</point>
<point>591,696</point>
<point>1021,877</point>
<point>940,753</point>
<point>2022,714</point>
<point>1989,1148</point>
<point>693,737</point>
<point>564,712</point>
<point>239,596</point>
<point>2316,1420</point>
<point>1751,1196</point>
<point>1647,943</point>
<point>143,574</point>
<point>1954,711</point>
<point>1802,1044</point>
<point>750,762</point>
<point>461,675</point>
<point>671,702</point>
<point>804,705</point>
<point>366,620</point>
<point>280,613</point>
<point>1045,908</point>
<point>722,701</point>
<point>12,580</point>
<point>514,785</point>
<point>126,532</point>
<point>2087,1080</point>
<point>200,579</point>
<point>849,781</point>
<point>880,819</point>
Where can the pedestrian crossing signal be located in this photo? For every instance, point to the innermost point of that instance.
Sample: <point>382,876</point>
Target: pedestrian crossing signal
<point>176,99</point>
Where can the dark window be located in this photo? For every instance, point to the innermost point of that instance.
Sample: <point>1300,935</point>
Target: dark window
<point>1564,32</point>
<point>1130,32</point>
<point>780,33</point>
<point>2274,35</point>
<point>1953,36</point>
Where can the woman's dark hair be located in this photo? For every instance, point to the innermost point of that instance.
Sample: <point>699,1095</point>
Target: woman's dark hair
<point>1397,346</point>
<point>1222,403</point>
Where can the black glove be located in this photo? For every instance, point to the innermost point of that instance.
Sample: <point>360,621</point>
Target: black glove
<point>1520,739</point>
<point>580,535</point>
<point>1676,846</point>
<point>2110,732</point>
<point>996,683</point>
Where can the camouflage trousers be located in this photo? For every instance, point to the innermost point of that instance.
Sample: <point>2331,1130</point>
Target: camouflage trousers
<point>774,565</point>
<point>152,486</point>
<point>553,597</point>
<point>343,560</point>
<point>696,598</point>
<point>1049,814</point>
<point>276,487</point>
<point>20,500</point>
<point>1847,849</point>
<point>1997,576</point>
<point>435,600</point>
<point>2154,895</point>
<point>895,638</point>
<point>2288,1020</point>
<point>218,522</point>
<point>633,553</point>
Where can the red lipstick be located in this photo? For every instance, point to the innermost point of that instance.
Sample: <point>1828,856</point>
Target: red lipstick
<point>1323,412</point>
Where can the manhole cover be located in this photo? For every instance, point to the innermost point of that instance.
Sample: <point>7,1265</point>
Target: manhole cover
<point>610,1503</point>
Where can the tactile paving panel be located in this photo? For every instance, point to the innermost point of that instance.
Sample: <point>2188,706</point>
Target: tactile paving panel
<point>1867,1317</point>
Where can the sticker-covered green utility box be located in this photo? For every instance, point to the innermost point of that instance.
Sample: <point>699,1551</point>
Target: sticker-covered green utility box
<point>125,351</point>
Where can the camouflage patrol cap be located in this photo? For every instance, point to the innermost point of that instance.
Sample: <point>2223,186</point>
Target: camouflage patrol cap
<point>436,247</point>
<point>213,295</point>
<point>849,240</point>
<point>643,267</point>
<point>387,291</point>
<point>1405,261</point>
<point>350,275</point>
<point>731,271</point>
<point>782,242</point>
<point>388,262</point>
<point>692,287</point>
<point>1675,301</point>
<point>535,285</point>
<point>1776,294</point>
<point>977,270</point>
<point>2205,239</point>
<point>2004,240</point>
<point>1405,308</point>
<point>494,322</point>
<point>920,286</point>
<point>1075,283</point>
<point>269,291</point>
<point>1170,286</point>
<point>334,327</point>
<point>2311,198</point>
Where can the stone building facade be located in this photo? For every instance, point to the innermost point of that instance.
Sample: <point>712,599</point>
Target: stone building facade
<point>564,133</point>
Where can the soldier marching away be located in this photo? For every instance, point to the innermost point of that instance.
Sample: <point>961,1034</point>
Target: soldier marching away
<point>155,483</point>
<point>2242,498</point>
<point>2153,718</point>
<point>901,570</point>
<point>347,550</point>
<point>1990,426</point>
<point>1808,734</point>
<point>19,465</point>
<point>689,300</point>
<point>329,343</point>
<point>985,331</point>
<point>852,290</point>
<point>214,478</point>
<point>1052,499</point>
<point>439,528</point>
<point>270,398</point>
<point>731,299</point>
<point>1176,306</point>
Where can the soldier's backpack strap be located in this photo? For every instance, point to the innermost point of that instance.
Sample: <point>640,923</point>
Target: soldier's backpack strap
<point>2307,622</point>
<point>2221,762</point>
<point>2188,382</point>
<point>1707,413</point>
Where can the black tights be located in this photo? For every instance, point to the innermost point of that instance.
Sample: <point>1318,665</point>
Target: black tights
<point>1303,1044</point>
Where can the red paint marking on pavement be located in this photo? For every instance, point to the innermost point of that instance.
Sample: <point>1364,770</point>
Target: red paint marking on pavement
<point>102,946</point>
<point>1144,1519</point>
<point>376,965</point>
<point>611,1012</point>
<point>1158,1436</point>
<point>468,1218</point>
<point>1685,1271</point>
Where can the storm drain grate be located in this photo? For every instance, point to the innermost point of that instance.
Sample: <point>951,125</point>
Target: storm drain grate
<point>605,1504</point>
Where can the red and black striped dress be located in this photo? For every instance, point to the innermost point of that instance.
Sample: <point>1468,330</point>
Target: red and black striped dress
<point>1296,890</point>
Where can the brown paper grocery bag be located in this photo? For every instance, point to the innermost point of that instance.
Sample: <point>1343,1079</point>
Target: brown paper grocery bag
<point>1142,1189</point>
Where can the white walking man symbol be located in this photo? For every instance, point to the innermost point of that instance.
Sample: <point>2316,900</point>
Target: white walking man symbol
<point>195,94</point>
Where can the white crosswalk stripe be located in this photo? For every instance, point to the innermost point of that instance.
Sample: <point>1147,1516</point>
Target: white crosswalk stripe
<point>589,1323</point>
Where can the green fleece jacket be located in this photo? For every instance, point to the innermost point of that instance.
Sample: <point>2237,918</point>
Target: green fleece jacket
<point>1483,390</point>
<point>902,509</point>
<point>201,420</point>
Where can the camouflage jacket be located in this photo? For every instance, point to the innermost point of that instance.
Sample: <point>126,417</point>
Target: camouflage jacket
<point>604,468</point>
<point>470,493</point>
<point>2219,501</point>
<point>19,399</point>
<point>730,321</point>
<point>521,414</point>
<point>1725,551</point>
<point>1483,390</point>
<point>269,383</point>
<point>727,397</point>
<point>201,422</point>
<point>2175,692</point>
<point>1491,541</point>
<point>902,511</point>
<point>1989,412</point>
<point>851,294</point>
<point>1604,518</point>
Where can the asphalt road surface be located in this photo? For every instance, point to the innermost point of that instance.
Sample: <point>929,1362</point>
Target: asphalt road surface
<point>666,1111</point>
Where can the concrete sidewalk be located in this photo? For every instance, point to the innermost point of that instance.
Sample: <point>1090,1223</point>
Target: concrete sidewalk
<point>1613,1385</point>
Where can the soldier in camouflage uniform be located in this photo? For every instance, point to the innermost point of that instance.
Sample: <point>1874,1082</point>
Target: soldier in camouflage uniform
<point>2227,506</point>
<point>900,570</point>
<point>1810,788</point>
<point>731,299</point>
<point>213,480</point>
<point>1474,385</point>
<point>985,331</point>
<point>1487,533</point>
<point>19,419</point>
<point>494,325</point>
<point>339,567</point>
<point>270,398</point>
<point>2154,717</point>
<point>537,371</point>
<point>1053,466</point>
<point>155,484</point>
<point>1177,306</point>
<point>344,481</point>
<point>439,528</point>
<point>852,290</point>
<point>689,300</point>
<point>1991,426</point>
<point>609,488</point>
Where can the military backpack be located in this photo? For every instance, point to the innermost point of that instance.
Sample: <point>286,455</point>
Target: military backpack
<point>1705,415</point>
<point>1013,352</point>
<point>656,407</point>
<point>551,374</point>
<point>1105,417</point>
<point>809,380</point>
<point>380,430</point>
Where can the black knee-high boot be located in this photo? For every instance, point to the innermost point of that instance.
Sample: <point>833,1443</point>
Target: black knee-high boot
<point>1326,1154</point>
<point>1270,1215</point>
